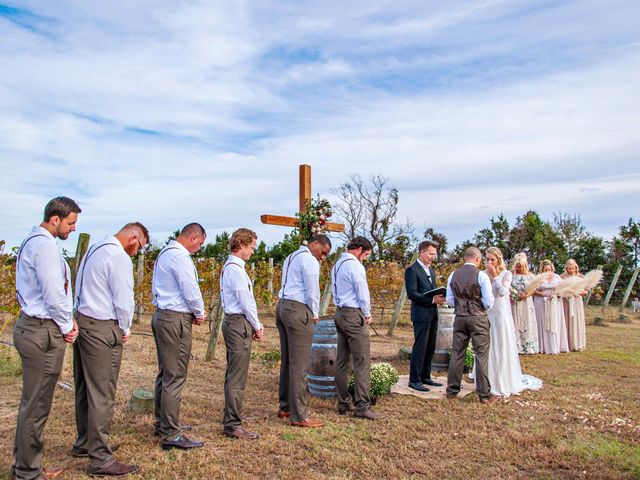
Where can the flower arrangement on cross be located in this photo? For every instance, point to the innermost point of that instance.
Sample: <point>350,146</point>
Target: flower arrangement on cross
<point>314,218</point>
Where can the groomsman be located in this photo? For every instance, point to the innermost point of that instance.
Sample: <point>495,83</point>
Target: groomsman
<point>179,304</point>
<point>469,292</point>
<point>44,325</point>
<point>296,314</point>
<point>104,310</point>
<point>420,278</point>
<point>239,327</point>
<point>353,316</point>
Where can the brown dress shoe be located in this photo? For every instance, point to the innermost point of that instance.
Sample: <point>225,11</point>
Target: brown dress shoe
<point>52,472</point>
<point>116,469</point>
<point>240,433</point>
<point>308,423</point>
<point>283,414</point>
<point>82,452</point>
<point>490,399</point>
<point>369,415</point>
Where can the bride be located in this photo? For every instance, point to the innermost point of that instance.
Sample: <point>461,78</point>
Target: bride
<point>505,375</point>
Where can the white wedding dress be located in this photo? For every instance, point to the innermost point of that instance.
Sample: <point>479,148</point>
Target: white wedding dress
<point>505,375</point>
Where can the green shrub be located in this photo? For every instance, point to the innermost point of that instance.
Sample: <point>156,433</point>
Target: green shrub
<point>383,377</point>
<point>468,357</point>
<point>10,365</point>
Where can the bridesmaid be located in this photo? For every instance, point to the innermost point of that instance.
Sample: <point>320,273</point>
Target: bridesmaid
<point>574,311</point>
<point>552,328</point>
<point>524,314</point>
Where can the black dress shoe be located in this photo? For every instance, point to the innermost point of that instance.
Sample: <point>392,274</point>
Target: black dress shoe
<point>419,387</point>
<point>181,442</point>
<point>431,383</point>
<point>116,469</point>
<point>240,433</point>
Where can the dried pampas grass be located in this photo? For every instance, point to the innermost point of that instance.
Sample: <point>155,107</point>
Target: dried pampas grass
<point>591,279</point>
<point>535,282</point>
<point>570,287</point>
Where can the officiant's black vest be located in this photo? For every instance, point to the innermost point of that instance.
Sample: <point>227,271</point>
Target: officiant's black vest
<point>467,292</point>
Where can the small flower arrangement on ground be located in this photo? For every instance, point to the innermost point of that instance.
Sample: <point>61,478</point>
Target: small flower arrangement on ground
<point>383,377</point>
<point>468,357</point>
<point>314,218</point>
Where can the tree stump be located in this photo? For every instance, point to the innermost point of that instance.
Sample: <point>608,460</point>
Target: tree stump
<point>624,318</point>
<point>405,353</point>
<point>142,401</point>
<point>599,321</point>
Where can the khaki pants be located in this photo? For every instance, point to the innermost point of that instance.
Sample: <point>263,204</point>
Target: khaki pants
<point>353,342</point>
<point>96,366</point>
<point>41,347</point>
<point>475,328</point>
<point>295,325</point>
<point>237,334</point>
<point>172,334</point>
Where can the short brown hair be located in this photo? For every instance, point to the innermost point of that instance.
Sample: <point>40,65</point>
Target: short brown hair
<point>60,207</point>
<point>360,242</point>
<point>193,228</point>
<point>241,238</point>
<point>140,227</point>
<point>426,244</point>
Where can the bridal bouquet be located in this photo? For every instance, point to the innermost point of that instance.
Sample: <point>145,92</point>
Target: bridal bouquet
<point>513,294</point>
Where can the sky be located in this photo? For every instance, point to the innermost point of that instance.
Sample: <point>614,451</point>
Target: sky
<point>169,112</point>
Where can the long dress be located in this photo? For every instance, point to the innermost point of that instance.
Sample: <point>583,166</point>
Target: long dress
<point>576,323</point>
<point>505,374</point>
<point>524,317</point>
<point>552,327</point>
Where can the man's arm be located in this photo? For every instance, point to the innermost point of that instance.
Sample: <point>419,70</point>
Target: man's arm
<point>411,284</point>
<point>120,271</point>
<point>49,274</point>
<point>311,278</point>
<point>451,299</point>
<point>183,269</point>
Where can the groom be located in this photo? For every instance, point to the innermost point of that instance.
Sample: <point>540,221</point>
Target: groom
<point>469,292</point>
<point>420,278</point>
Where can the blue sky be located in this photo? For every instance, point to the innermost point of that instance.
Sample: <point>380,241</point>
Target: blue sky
<point>171,112</point>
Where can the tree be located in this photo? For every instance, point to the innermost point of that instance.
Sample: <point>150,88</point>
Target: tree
<point>537,239</point>
<point>439,238</point>
<point>630,235</point>
<point>218,249</point>
<point>497,235</point>
<point>370,210</point>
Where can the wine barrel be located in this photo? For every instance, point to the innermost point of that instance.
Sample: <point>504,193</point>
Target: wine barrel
<point>444,340</point>
<point>322,359</point>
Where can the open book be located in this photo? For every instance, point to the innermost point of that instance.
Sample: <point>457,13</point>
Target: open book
<point>436,291</point>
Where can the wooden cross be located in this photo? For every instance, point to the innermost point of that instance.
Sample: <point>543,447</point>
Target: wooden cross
<point>305,196</point>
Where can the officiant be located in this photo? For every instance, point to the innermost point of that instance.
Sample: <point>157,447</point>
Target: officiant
<point>420,280</point>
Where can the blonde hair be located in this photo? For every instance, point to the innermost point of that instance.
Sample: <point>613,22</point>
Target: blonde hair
<point>496,251</point>
<point>545,263</point>
<point>241,238</point>
<point>520,259</point>
<point>571,261</point>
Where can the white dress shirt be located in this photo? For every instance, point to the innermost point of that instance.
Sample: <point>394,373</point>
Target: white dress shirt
<point>104,284</point>
<point>43,280</point>
<point>349,284</point>
<point>427,270</point>
<point>301,279</point>
<point>485,287</point>
<point>175,281</point>
<point>236,291</point>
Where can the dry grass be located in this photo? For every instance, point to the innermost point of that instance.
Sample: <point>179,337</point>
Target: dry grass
<point>584,423</point>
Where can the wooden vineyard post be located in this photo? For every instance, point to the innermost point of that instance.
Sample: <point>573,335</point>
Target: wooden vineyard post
<point>81,249</point>
<point>623,316</point>
<point>400,304</point>
<point>139,277</point>
<point>599,320</point>
<point>326,294</point>
<point>270,282</point>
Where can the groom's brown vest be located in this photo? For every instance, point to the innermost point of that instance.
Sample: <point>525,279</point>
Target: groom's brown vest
<point>467,292</point>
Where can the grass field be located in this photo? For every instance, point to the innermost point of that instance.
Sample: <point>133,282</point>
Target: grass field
<point>584,423</point>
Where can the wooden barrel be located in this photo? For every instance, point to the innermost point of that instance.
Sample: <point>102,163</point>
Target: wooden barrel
<point>444,340</point>
<point>322,359</point>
